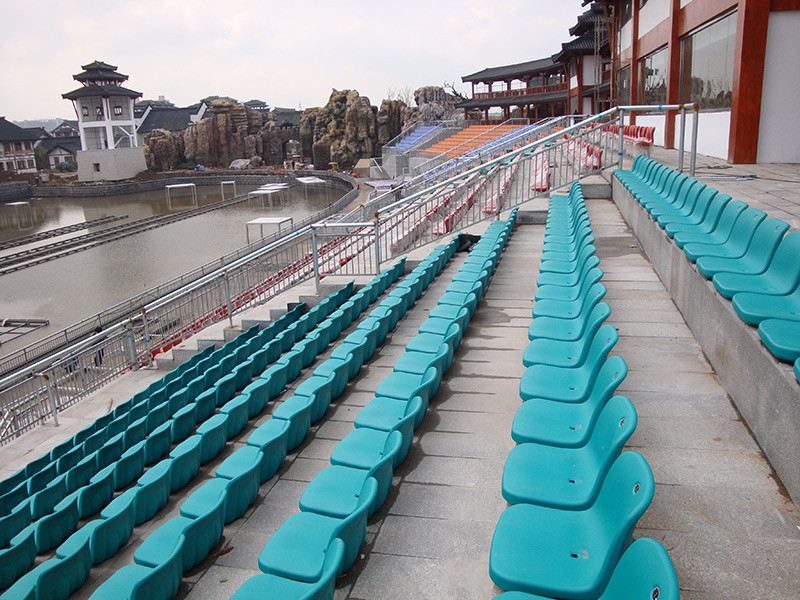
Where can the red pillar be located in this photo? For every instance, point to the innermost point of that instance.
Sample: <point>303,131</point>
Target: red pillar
<point>748,77</point>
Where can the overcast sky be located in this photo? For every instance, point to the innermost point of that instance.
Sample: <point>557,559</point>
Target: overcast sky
<point>287,54</point>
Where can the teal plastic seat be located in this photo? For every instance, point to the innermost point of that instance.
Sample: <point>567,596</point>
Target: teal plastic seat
<point>135,582</point>
<point>97,493</point>
<point>183,422</point>
<point>430,342</point>
<point>644,571</point>
<point>18,557</point>
<point>271,439</point>
<point>242,471</point>
<point>352,349</point>
<point>129,467</point>
<point>238,411</point>
<point>753,308</point>
<point>296,411</point>
<point>293,360</point>
<point>719,232</point>
<point>564,292</point>
<point>417,363</point>
<point>560,353</point>
<point>79,475</point>
<point>372,451</point>
<point>405,386</point>
<point>780,278</point>
<point>338,371</point>
<point>733,246</point>
<point>284,588</point>
<point>569,330</point>
<point>243,374</point>
<point>136,432</point>
<point>153,491</point>
<point>214,434</point>
<point>390,414</point>
<point>757,256</point>
<point>14,522</point>
<point>226,388</point>
<point>157,444</point>
<point>698,222</point>
<point>569,309</point>
<point>566,384</point>
<point>276,376</point>
<point>54,528</point>
<point>567,424</point>
<point>567,279</point>
<point>319,389</point>
<point>298,548</point>
<point>258,395</point>
<point>781,337</point>
<point>569,478</point>
<point>55,578</point>
<point>693,212</point>
<point>201,523</point>
<point>43,501</point>
<point>571,554</point>
<point>566,267</point>
<point>185,462</point>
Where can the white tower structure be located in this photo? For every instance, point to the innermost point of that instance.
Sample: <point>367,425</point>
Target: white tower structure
<point>109,150</point>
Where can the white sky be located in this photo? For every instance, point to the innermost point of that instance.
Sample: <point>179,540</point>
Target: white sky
<point>281,52</point>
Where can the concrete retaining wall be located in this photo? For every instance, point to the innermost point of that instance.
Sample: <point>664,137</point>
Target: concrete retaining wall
<point>764,390</point>
<point>338,180</point>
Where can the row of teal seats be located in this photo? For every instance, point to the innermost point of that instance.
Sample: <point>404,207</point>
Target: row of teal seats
<point>237,480</point>
<point>39,473</point>
<point>303,558</point>
<point>176,471</point>
<point>43,520</point>
<point>575,499</point>
<point>750,259</point>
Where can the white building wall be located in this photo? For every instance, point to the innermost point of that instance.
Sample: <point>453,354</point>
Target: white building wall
<point>779,129</point>
<point>652,14</point>
<point>111,165</point>
<point>626,36</point>
<point>588,69</point>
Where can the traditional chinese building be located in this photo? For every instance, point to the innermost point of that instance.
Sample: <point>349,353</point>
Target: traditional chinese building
<point>536,89</point>
<point>17,146</point>
<point>107,126</point>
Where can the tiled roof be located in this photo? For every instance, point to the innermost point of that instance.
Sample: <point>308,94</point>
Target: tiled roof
<point>498,73</point>
<point>14,133</point>
<point>171,119</point>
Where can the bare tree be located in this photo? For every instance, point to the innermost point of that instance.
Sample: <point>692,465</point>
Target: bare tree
<point>451,89</point>
<point>404,94</point>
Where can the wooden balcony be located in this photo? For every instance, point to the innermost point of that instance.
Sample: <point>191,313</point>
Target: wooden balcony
<point>527,91</point>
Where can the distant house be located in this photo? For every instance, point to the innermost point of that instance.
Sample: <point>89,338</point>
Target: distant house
<point>61,149</point>
<point>17,146</point>
<point>258,105</point>
<point>66,128</point>
<point>174,120</point>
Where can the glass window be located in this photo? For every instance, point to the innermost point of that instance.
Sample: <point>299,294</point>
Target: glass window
<point>707,64</point>
<point>653,78</point>
<point>625,11</point>
<point>624,86</point>
<point>117,110</point>
<point>85,111</point>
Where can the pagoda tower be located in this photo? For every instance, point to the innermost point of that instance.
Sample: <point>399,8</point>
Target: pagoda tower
<point>109,150</point>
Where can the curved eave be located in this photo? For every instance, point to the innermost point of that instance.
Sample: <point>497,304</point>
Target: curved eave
<point>104,91</point>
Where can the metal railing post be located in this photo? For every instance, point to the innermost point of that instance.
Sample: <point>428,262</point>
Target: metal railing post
<point>377,243</point>
<point>146,334</point>
<point>681,141</point>
<point>228,298</point>
<point>51,394</point>
<point>621,138</point>
<point>693,157</point>
<point>130,346</point>
<point>315,257</point>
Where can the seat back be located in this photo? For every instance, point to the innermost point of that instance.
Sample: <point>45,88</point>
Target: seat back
<point>745,227</point>
<point>644,572</point>
<point>602,343</point>
<point>727,220</point>
<point>613,428</point>
<point>624,496</point>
